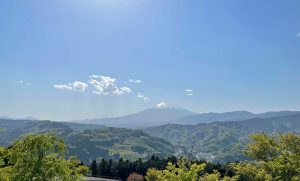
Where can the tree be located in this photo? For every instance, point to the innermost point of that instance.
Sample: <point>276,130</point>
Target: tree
<point>216,176</point>
<point>40,157</point>
<point>2,153</point>
<point>186,171</point>
<point>183,171</point>
<point>4,171</point>
<point>251,172</point>
<point>152,174</point>
<point>276,158</point>
<point>103,167</point>
<point>94,168</point>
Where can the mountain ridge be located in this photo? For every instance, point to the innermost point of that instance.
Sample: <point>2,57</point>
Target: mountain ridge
<point>228,116</point>
<point>161,113</point>
<point>223,141</point>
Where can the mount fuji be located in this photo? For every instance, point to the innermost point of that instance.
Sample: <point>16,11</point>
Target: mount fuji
<point>162,113</point>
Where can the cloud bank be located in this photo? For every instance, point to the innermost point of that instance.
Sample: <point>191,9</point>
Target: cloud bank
<point>100,85</point>
<point>75,86</point>
<point>105,85</point>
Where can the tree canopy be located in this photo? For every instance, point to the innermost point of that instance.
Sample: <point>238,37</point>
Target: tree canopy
<point>274,158</point>
<point>39,157</point>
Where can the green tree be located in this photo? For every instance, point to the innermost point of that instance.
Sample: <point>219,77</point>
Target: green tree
<point>2,153</point>
<point>40,157</point>
<point>183,171</point>
<point>4,171</point>
<point>216,176</point>
<point>152,174</point>
<point>276,158</point>
<point>251,172</point>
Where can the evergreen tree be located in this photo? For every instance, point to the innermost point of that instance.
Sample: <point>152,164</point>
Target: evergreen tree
<point>94,168</point>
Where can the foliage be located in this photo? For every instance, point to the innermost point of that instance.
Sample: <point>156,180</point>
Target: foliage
<point>152,174</point>
<point>123,168</point>
<point>251,172</point>
<point>184,171</point>
<point>277,158</point>
<point>40,157</point>
<point>216,176</point>
<point>2,153</point>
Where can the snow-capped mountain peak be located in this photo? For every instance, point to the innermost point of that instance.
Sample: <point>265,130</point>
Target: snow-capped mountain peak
<point>166,105</point>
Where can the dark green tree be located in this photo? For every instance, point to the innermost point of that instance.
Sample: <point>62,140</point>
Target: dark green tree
<point>94,168</point>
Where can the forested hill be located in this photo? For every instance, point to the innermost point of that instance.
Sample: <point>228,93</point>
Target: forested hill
<point>222,141</point>
<point>89,144</point>
<point>217,141</point>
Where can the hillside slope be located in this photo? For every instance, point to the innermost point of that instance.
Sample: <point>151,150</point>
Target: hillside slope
<point>222,141</point>
<point>90,144</point>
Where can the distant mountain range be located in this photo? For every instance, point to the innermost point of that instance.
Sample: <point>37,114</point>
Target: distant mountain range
<point>228,116</point>
<point>223,141</point>
<point>25,118</point>
<point>159,114</point>
<point>165,113</point>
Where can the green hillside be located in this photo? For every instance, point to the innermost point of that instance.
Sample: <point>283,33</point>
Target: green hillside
<point>116,143</point>
<point>89,144</point>
<point>222,141</point>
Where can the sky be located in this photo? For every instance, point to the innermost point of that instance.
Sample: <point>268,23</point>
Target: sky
<point>80,59</point>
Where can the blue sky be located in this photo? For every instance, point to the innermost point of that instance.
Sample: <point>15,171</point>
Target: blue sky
<point>234,55</point>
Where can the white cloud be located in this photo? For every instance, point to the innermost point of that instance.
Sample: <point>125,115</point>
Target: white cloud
<point>298,34</point>
<point>23,82</point>
<point>135,81</point>
<point>101,85</point>
<point>189,92</point>
<point>126,90</point>
<point>75,86</point>
<point>142,96</point>
<point>79,86</point>
<point>62,86</point>
<point>94,76</point>
<point>105,85</point>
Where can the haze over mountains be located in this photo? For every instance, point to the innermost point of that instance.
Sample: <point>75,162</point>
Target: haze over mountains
<point>25,118</point>
<point>166,112</point>
<point>228,116</point>
<point>159,114</point>
<point>164,129</point>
